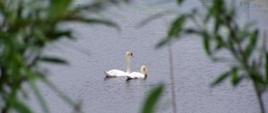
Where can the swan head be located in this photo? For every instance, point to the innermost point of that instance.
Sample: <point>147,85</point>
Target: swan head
<point>129,54</point>
<point>144,70</point>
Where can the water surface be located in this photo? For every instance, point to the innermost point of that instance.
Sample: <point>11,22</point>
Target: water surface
<point>101,48</point>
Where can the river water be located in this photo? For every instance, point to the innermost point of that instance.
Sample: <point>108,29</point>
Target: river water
<point>100,48</point>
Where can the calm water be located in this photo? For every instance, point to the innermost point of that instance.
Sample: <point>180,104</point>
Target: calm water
<point>100,48</point>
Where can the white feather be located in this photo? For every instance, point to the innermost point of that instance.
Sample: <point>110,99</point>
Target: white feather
<point>115,73</point>
<point>119,73</point>
<point>135,75</point>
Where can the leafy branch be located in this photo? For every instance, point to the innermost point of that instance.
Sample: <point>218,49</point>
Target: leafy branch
<point>26,28</point>
<point>220,33</point>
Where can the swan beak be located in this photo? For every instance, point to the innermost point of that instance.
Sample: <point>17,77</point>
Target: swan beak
<point>131,55</point>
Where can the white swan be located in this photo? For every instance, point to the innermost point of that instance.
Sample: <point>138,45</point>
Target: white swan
<point>139,75</point>
<point>118,73</point>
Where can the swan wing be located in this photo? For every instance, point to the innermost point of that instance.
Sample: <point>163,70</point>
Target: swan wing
<point>136,75</point>
<point>115,73</point>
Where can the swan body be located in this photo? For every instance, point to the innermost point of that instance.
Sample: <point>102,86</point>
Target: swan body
<point>115,73</point>
<point>119,73</point>
<point>139,75</point>
<point>135,75</point>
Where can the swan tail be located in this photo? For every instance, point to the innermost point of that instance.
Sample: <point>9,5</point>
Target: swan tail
<point>108,76</point>
<point>105,72</point>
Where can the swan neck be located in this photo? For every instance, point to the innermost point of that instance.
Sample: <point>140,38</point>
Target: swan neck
<point>145,76</point>
<point>144,71</point>
<point>128,64</point>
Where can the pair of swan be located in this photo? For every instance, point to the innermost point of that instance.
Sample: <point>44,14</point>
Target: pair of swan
<point>130,75</point>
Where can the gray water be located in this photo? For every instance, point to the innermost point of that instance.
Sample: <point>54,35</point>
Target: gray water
<point>100,48</point>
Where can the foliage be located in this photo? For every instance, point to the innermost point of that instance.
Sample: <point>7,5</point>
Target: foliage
<point>152,99</point>
<point>26,27</point>
<point>216,24</point>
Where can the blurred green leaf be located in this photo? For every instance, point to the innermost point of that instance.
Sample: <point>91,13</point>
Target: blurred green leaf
<point>191,31</point>
<point>224,34</point>
<point>217,25</point>
<point>176,26</point>
<point>58,8</point>
<point>52,60</point>
<point>252,43</point>
<point>163,42</point>
<point>98,5</point>
<point>152,99</point>
<point>27,27</point>
<point>93,21</point>
<point>20,107</point>
<point>219,42</point>
<point>220,79</point>
<point>258,79</point>
<point>206,42</point>
<point>235,77</point>
<point>179,1</point>
<point>266,66</point>
<point>59,34</point>
<point>174,31</point>
<point>39,96</point>
<point>58,92</point>
<point>154,17</point>
<point>217,8</point>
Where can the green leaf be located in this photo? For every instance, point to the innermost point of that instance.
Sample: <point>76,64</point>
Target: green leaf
<point>191,31</point>
<point>52,60</point>
<point>93,21</point>
<point>258,78</point>
<point>219,42</point>
<point>252,43</point>
<point>261,87</point>
<point>58,92</point>
<point>266,66</point>
<point>217,25</point>
<point>206,42</point>
<point>235,78</point>
<point>59,34</point>
<point>94,7</point>
<point>174,31</point>
<point>179,1</point>
<point>154,17</point>
<point>58,8</point>
<point>163,42</point>
<point>20,107</point>
<point>39,96</point>
<point>176,26</point>
<point>152,99</point>
<point>217,8</point>
<point>220,79</point>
